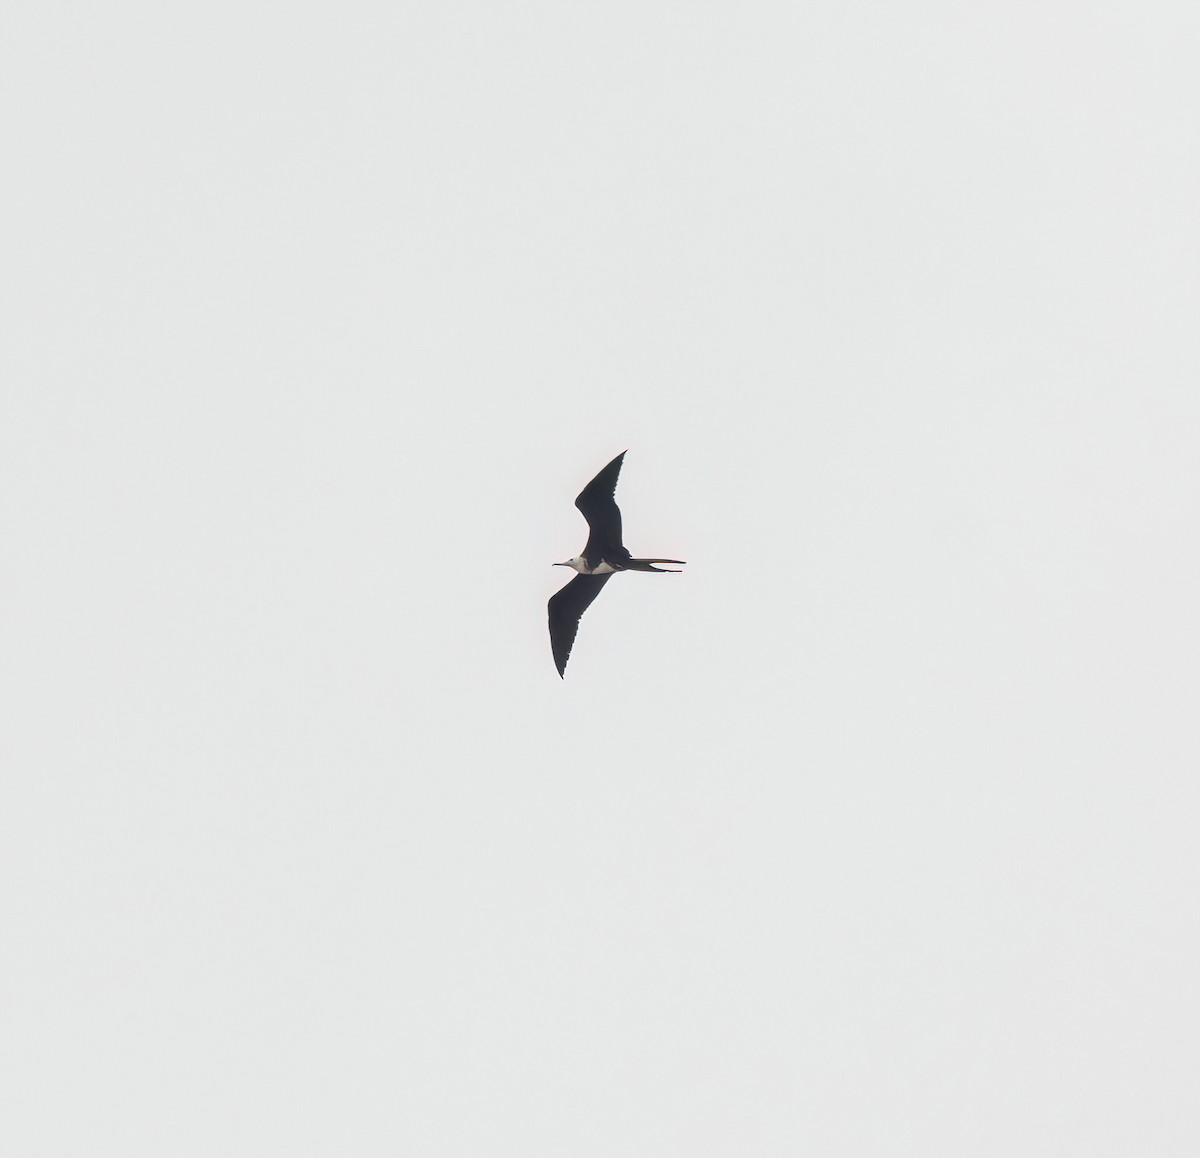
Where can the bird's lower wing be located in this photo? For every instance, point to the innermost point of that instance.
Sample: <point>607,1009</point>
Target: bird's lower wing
<point>565,608</point>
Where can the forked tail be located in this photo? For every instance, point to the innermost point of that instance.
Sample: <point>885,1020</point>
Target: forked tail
<point>648,565</point>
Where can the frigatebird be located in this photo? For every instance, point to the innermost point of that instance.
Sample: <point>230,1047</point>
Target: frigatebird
<point>602,558</point>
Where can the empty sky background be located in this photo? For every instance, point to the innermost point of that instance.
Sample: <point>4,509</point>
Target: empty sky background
<point>872,834</point>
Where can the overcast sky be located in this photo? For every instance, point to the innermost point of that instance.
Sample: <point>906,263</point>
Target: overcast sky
<point>873,834</point>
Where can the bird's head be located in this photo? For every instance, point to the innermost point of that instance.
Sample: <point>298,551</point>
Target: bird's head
<point>577,563</point>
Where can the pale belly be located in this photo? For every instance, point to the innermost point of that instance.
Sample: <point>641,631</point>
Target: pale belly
<point>602,569</point>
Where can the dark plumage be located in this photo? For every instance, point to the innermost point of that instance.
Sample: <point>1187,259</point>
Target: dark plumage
<point>597,503</point>
<point>566,608</point>
<point>603,556</point>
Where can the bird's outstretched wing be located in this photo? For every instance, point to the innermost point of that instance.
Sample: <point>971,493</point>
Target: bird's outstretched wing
<point>566,607</point>
<point>600,509</point>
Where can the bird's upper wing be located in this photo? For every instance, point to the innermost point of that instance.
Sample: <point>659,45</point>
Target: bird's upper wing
<point>566,607</point>
<point>600,509</point>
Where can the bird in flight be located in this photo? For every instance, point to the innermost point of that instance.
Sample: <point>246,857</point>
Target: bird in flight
<point>603,557</point>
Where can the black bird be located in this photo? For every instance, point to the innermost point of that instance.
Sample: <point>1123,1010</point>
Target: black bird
<point>603,557</point>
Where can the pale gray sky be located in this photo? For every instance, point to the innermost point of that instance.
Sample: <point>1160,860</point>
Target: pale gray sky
<point>874,834</point>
